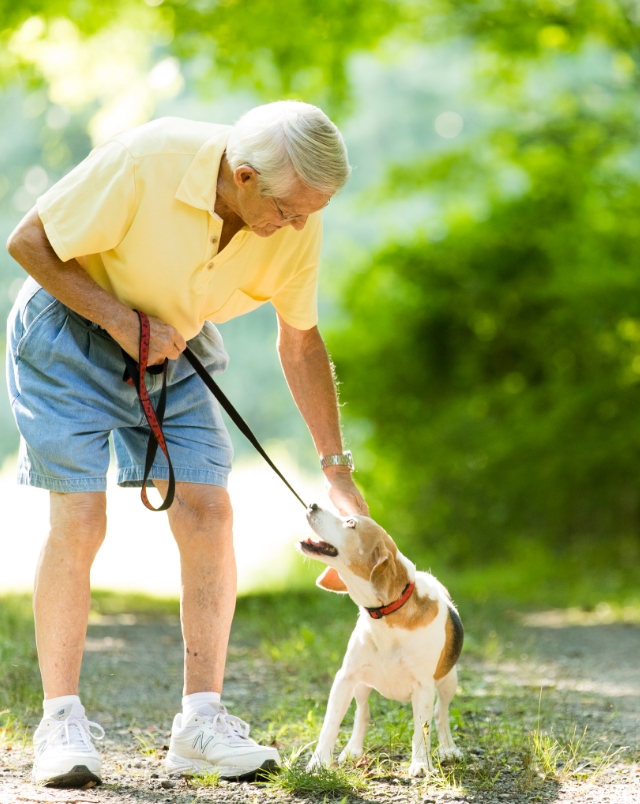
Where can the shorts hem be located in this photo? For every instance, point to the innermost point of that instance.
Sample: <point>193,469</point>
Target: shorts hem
<point>66,485</point>
<point>132,477</point>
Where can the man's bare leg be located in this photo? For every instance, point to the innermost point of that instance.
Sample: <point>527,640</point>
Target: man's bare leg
<point>203,736</point>
<point>201,520</point>
<point>62,592</point>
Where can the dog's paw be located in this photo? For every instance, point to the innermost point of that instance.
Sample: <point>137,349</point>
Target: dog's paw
<point>317,761</point>
<point>350,752</point>
<point>420,769</point>
<point>449,754</point>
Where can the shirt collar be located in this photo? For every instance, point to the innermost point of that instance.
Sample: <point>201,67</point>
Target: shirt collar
<point>198,185</point>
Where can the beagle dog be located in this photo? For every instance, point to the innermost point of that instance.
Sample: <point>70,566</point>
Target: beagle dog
<point>405,644</point>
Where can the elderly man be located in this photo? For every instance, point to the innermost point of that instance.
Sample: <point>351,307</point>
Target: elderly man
<point>191,223</point>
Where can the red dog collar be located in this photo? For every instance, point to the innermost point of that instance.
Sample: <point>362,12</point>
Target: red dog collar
<point>382,611</point>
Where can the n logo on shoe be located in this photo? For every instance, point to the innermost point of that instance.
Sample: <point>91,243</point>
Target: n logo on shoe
<point>200,740</point>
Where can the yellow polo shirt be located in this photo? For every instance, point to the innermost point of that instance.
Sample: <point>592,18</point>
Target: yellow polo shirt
<point>138,215</point>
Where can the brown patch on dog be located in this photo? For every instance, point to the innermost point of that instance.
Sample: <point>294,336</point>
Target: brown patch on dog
<point>369,550</point>
<point>374,557</point>
<point>454,637</point>
<point>417,612</point>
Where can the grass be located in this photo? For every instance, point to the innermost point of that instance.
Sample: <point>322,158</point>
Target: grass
<point>20,693</point>
<point>203,780</point>
<point>335,782</point>
<point>515,738</point>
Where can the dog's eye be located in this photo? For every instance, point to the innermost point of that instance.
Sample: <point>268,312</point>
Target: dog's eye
<point>351,523</point>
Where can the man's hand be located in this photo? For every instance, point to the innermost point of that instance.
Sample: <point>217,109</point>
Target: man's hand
<point>343,492</point>
<point>165,340</point>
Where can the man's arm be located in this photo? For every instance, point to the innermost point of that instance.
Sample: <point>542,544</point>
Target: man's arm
<point>307,369</point>
<point>71,284</point>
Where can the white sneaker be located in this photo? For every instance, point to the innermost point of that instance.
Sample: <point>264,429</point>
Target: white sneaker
<point>217,741</point>
<point>64,752</point>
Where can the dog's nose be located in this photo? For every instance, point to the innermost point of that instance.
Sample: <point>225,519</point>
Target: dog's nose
<point>314,507</point>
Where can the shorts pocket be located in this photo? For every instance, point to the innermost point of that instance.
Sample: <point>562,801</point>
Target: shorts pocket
<point>40,308</point>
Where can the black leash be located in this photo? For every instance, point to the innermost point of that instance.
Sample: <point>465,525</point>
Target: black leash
<point>136,372</point>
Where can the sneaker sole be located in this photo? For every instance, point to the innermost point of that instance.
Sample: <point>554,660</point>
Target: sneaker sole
<point>267,768</point>
<point>79,776</point>
<point>189,767</point>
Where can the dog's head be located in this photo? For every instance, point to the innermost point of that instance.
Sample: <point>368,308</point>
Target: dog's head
<point>362,558</point>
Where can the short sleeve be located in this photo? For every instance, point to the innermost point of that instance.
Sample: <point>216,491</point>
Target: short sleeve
<point>297,301</point>
<point>91,208</point>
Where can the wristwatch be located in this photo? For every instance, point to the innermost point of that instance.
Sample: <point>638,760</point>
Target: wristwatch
<point>344,459</point>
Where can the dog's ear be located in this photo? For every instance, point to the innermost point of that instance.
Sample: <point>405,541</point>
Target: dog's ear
<point>383,576</point>
<point>332,582</point>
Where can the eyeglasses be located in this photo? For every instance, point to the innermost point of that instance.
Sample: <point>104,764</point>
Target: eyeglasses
<point>284,217</point>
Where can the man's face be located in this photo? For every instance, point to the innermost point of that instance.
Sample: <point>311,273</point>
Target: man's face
<point>264,214</point>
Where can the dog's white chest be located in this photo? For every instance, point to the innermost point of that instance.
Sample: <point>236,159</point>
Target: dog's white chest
<point>393,679</point>
<point>394,662</point>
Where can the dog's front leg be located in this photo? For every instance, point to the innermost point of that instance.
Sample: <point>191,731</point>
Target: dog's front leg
<point>422,702</point>
<point>355,747</point>
<point>339,700</point>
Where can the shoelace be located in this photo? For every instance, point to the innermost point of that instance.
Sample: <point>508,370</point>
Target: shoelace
<point>230,725</point>
<point>77,732</point>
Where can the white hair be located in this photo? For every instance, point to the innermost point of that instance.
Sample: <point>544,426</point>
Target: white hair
<point>287,141</point>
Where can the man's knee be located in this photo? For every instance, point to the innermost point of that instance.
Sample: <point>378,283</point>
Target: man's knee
<point>78,522</point>
<point>201,511</point>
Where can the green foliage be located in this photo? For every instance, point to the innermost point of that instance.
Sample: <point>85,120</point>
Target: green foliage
<point>104,602</point>
<point>530,28</point>
<point>257,45</point>
<point>499,361</point>
<point>299,50</point>
<point>19,677</point>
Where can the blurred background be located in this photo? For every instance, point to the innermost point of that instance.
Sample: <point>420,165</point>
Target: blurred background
<point>480,288</point>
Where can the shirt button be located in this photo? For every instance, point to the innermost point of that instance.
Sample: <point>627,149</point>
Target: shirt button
<point>209,265</point>
<point>214,239</point>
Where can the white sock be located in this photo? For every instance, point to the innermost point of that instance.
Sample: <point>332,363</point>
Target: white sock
<point>199,703</point>
<point>60,708</point>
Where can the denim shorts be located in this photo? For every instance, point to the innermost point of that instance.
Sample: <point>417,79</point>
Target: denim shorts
<point>65,379</point>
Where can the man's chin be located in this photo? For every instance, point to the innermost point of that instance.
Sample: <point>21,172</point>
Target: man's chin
<point>264,231</point>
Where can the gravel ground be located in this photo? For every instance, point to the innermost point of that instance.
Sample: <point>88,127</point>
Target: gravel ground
<point>131,682</point>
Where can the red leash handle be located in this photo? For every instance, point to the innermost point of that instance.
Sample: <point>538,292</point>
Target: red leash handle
<point>154,417</point>
<point>134,375</point>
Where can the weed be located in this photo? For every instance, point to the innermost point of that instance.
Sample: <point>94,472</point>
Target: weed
<point>13,733</point>
<point>449,777</point>
<point>332,782</point>
<point>206,779</point>
<point>146,744</point>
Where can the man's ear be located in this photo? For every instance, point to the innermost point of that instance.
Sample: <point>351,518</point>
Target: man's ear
<point>331,581</point>
<point>243,175</point>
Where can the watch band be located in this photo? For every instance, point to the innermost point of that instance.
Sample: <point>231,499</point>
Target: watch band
<point>343,459</point>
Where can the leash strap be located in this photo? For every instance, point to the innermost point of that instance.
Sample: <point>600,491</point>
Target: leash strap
<point>382,611</point>
<point>155,417</point>
<point>236,418</point>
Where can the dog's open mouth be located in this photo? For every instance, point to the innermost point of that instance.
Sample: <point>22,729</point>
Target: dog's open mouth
<point>318,547</point>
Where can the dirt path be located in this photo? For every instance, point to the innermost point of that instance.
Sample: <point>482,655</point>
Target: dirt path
<point>132,673</point>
